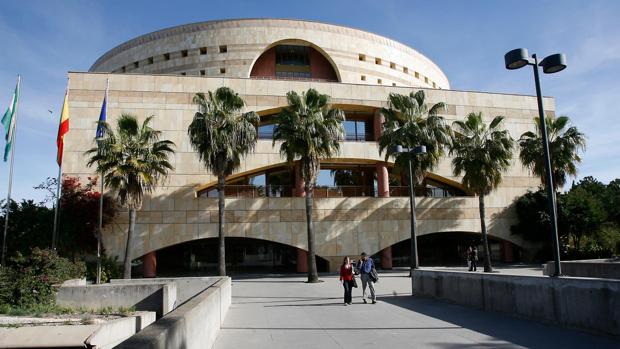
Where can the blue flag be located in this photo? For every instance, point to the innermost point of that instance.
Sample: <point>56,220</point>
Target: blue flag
<point>102,118</point>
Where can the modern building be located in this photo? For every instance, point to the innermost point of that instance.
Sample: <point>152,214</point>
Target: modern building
<point>361,203</point>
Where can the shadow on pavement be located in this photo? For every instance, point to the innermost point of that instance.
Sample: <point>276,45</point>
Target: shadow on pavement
<point>524,332</point>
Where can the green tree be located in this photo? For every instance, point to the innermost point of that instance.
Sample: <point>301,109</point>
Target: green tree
<point>410,122</point>
<point>564,145</point>
<point>221,133</point>
<point>310,130</point>
<point>583,215</point>
<point>134,161</point>
<point>481,154</point>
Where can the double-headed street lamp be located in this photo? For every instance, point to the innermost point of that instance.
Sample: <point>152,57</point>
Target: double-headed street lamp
<point>519,58</point>
<point>411,152</point>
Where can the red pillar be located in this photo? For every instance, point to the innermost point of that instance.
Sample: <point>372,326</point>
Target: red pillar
<point>386,258</point>
<point>383,180</point>
<point>507,252</point>
<point>377,124</point>
<point>302,261</point>
<point>149,264</point>
<point>299,182</point>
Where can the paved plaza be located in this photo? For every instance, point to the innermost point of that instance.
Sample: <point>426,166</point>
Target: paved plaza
<point>285,312</point>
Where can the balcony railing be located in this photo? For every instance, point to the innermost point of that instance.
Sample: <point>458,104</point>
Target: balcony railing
<point>276,191</point>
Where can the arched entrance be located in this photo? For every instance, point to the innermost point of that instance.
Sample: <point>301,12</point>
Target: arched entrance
<point>243,256</point>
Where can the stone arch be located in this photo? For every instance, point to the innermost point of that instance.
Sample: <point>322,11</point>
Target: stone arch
<point>301,42</point>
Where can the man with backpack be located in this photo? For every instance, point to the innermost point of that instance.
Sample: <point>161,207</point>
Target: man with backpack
<point>368,274</point>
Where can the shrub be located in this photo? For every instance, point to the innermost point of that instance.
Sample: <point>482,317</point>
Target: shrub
<point>31,281</point>
<point>110,269</point>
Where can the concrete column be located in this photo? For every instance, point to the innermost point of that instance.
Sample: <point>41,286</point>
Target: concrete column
<point>302,261</point>
<point>383,180</point>
<point>507,252</point>
<point>386,258</point>
<point>377,124</point>
<point>149,265</point>
<point>299,182</point>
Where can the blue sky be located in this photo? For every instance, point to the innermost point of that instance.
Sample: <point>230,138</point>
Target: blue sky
<point>42,40</point>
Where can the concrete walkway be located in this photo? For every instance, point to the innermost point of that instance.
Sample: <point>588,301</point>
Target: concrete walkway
<point>285,312</point>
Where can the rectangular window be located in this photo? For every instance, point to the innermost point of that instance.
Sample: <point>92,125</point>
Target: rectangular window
<point>203,50</point>
<point>203,72</point>
<point>183,73</point>
<point>223,49</point>
<point>150,60</point>
<point>393,84</point>
<point>184,53</point>
<point>405,70</point>
<point>392,65</point>
<point>426,79</point>
<point>222,70</point>
<point>362,57</point>
<point>292,55</point>
<point>355,130</point>
<point>434,86</point>
<point>379,81</point>
<point>136,65</point>
<point>417,75</point>
<point>378,61</point>
<point>166,56</point>
<point>124,69</point>
<point>363,77</point>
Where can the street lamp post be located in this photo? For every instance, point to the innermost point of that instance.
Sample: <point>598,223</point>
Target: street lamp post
<point>414,244</point>
<point>519,58</point>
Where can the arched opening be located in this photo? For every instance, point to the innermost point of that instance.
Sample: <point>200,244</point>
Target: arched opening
<point>449,249</point>
<point>294,60</point>
<point>243,256</point>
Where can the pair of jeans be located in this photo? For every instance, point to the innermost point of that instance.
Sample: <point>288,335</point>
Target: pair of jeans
<point>472,264</point>
<point>348,288</point>
<point>367,282</point>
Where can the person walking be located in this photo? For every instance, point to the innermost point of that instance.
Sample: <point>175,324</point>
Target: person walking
<point>365,266</point>
<point>347,278</point>
<point>473,258</point>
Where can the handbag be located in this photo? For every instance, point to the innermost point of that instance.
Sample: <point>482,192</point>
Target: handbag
<point>354,282</point>
<point>374,277</point>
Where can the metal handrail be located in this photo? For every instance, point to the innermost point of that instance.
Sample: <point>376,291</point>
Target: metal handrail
<point>321,191</point>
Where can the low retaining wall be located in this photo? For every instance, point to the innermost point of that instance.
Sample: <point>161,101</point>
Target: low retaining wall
<point>592,268</point>
<point>194,324</point>
<point>187,287</point>
<point>158,297</point>
<point>591,304</point>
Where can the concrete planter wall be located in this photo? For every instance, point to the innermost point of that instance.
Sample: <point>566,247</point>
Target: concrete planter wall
<point>590,304</point>
<point>592,268</point>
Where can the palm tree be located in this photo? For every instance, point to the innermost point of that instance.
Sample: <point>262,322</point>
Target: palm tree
<point>410,122</point>
<point>481,153</point>
<point>310,130</point>
<point>134,161</point>
<point>564,145</point>
<point>221,133</point>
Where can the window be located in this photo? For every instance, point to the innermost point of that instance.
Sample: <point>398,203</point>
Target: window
<point>405,70</point>
<point>293,55</point>
<point>393,84</point>
<point>363,77</point>
<point>378,61</point>
<point>392,65</point>
<point>355,130</point>
<point>222,70</point>
<point>434,86</point>
<point>166,56</point>
<point>379,81</point>
<point>183,73</point>
<point>203,72</point>
<point>223,49</point>
<point>265,131</point>
<point>150,60</point>
<point>362,57</point>
<point>184,53</point>
<point>203,50</point>
<point>426,79</point>
<point>136,65</point>
<point>123,69</point>
<point>293,74</point>
<point>417,75</point>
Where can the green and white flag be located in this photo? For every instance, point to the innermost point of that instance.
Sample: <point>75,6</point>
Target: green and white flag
<point>8,121</point>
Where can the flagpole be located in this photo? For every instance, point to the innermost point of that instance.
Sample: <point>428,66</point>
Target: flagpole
<point>100,228</point>
<point>8,197</point>
<point>59,178</point>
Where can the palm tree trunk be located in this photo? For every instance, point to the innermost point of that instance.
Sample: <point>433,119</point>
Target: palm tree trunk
<point>313,276</point>
<point>485,240</point>
<point>221,201</point>
<point>130,231</point>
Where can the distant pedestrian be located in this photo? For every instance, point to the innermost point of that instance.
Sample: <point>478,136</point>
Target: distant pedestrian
<point>366,266</point>
<point>348,279</point>
<point>473,258</point>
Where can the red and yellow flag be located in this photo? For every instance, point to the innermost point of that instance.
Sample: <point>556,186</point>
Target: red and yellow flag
<point>63,128</point>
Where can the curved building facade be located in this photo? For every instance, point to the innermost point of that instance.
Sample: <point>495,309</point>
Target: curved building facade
<point>274,48</point>
<point>361,202</point>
